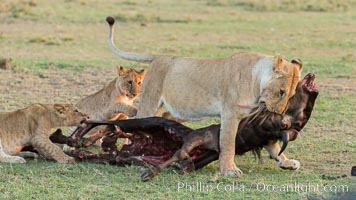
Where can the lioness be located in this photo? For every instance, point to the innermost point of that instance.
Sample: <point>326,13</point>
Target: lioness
<point>32,126</point>
<point>116,97</point>
<point>194,88</point>
<point>261,129</point>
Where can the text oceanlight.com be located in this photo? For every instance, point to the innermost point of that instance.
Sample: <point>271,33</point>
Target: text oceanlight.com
<point>261,187</point>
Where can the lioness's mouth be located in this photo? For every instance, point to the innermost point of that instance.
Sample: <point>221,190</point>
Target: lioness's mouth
<point>131,96</point>
<point>308,83</point>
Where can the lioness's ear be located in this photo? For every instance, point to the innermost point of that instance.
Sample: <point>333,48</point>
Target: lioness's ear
<point>298,62</point>
<point>120,70</point>
<point>277,63</point>
<point>142,72</point>
<point>59,108</point>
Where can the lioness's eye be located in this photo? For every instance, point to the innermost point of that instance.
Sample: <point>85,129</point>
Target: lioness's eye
<point>130,82</point>
<point>281,92</point>
<point>139,83</point>
<point>76,110</point>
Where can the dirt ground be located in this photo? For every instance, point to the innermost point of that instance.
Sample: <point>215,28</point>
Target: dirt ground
<point>338,85</point>
<point>20,89</point>
<point>50,86</point>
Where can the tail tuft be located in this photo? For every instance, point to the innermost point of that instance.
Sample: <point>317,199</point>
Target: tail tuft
<point>125,55</point>
<point>110,20</point>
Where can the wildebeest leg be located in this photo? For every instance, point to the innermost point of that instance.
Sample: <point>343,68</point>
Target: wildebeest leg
<point>203,160</point>
<point>188,146</point>
<point>206,159</point>
<point>75,139</point>
<point>83,155</point>
<point>282,161</point>
<point>91,140</point>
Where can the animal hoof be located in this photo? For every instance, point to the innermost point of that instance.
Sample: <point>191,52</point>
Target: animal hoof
<point>232,172</point>
<point>148,174</point>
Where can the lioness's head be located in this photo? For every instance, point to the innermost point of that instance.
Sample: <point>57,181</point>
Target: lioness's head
<point>68,115</point>
<point>129,81</point>
<point>282,86</point>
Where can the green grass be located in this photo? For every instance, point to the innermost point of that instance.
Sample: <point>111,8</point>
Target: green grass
<point>70,37</point>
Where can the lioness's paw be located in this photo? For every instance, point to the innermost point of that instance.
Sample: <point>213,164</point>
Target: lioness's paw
<point>66,160</point>
<point>290,164</point>
<point>16,159</point>
<point>232,172</point>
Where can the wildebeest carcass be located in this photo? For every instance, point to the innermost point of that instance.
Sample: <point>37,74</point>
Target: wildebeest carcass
<point>161,142</point>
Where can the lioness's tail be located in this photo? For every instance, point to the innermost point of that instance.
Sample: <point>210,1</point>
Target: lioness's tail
<point>125,55</point>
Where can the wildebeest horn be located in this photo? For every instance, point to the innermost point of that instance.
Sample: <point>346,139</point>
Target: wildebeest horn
<point>285,140</point>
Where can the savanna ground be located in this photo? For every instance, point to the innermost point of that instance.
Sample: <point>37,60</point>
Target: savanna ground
<point>59,54</point>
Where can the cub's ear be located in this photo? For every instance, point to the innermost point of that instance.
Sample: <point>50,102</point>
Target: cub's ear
<point>59,108</point>
<point>298,62</point>
<point>142,72</point>
<point>277,63</point>
<point>120,70</point>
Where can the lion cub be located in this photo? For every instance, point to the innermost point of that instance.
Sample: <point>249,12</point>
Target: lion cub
<point>116,97</point>
<point>32,126</point>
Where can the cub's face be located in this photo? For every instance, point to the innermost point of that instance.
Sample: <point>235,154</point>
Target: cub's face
<point>282,86</point>
<point>129,81</point>
<point>69,115</point>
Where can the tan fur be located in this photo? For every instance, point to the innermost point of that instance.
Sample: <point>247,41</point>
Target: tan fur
<point>195,88</point>
<point>169,116</point>
<point>32,126</point>
<point>281,160</point>
<point>116,97</point>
